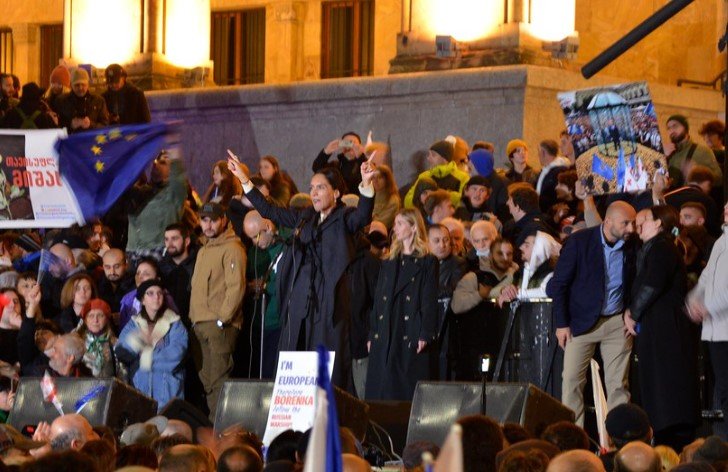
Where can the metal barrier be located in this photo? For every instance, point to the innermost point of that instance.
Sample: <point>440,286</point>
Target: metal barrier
<point>520,338</point>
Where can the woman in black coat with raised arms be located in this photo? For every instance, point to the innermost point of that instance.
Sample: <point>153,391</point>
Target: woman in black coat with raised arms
<point>666,342</point>
<point>404,320</point>
<point>313,277</point>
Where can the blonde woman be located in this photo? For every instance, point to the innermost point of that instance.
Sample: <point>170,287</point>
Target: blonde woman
<point>404,317</point>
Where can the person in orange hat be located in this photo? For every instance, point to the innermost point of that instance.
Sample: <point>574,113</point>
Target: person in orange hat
<point>60,83</point>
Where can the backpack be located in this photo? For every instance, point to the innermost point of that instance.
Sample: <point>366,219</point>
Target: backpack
<point>28,121</point>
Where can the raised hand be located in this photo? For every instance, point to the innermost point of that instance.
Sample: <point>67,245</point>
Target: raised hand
<point>368,169</point>
<point>236,168</point>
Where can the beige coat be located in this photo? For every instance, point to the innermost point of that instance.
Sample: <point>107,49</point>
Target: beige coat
<point>218,283</point>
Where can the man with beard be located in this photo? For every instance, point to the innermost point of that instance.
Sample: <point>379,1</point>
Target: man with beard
<point>81,110</point>
<point>590,289</point>
<point>116,282</point>
<point>178,265</point>
<point>688,152</point>
<point>218,286</point>
<point>7,99</point>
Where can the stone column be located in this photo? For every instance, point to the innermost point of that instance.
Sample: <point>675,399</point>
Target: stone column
<point>284,42</point>
<point>26,38</point>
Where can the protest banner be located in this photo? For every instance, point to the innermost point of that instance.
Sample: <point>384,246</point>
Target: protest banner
<point>292,404</point>
<point>32,192</point>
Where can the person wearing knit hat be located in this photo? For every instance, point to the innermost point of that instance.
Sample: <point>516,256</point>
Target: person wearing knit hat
<point>482,161</point>
<point>60,83</point>
<point>154,345</point>
<point>444,171</point>
<point>688,153</point>
<point>81,110</point>
<point>60,77</point>
<point>98,335</point>
<point>519,170</point>
<point>440,152</point>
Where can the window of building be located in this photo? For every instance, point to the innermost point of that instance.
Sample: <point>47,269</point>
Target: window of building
<point>347,38</point>
<point>51,50</point>
<point>6,50</point>
<point>237,46</point>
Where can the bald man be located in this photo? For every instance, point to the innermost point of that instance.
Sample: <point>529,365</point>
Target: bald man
<point>263,255</point>
<point>577,460</point>
<point>637,457</point>
<point>71,431</point>
<point>590,291</point>
<point>116,282</point>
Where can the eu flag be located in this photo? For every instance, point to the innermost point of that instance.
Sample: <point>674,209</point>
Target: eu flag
<point>600,168</point>
<point>100,165</point>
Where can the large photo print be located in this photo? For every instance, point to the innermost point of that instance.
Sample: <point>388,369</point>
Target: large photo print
<point>615,135</point>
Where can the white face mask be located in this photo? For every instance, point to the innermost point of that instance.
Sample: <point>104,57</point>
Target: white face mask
<point>482,252</point>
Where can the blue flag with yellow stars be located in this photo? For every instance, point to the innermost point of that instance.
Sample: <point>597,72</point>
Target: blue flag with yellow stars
<point>599,168</point>
<point>100,165</point>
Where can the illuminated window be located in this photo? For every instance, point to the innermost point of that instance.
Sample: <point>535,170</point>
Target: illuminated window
<point>51,50</point>
<point>347,38</point>
<point>6,50</point>
<point>237,46</point>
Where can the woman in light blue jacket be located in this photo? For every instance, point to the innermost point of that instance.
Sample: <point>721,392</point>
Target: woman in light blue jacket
<point>153,344</point>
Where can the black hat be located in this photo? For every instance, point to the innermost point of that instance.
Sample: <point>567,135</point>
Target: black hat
<point>680,119</point>
<point>212,210</point>
<point>627,422</point>
<point>114,73</point>
<point>444,149</point>
<point>31,92</point>
<point>478,180</point>
<point>144,286</point>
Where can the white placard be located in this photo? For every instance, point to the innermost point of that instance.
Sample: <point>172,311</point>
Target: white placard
<point>292,404</point>
<point>33,193</point>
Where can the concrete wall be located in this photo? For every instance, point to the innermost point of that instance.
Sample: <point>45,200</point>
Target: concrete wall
<point>293,122</point>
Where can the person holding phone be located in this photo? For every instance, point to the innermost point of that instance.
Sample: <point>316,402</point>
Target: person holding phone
<point>313,281</point>
<point>349,158</point>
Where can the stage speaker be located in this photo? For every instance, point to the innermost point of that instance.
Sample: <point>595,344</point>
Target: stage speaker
<point>247,402</point>
<point>393,418</point>
<point>116,406</point>
<point>436,406</point>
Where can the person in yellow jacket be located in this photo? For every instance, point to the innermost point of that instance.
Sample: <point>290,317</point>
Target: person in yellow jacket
<point>218,286</point>
<point>444,171</point>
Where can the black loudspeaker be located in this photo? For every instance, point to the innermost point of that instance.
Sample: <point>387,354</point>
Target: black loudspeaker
<point>393,418</point>
<point>436,406</point>
<point>247,402</point>
<point>117,406</point>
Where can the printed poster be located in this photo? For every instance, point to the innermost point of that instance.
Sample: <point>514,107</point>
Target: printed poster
<point>616,137</point>
<point>32,192</point>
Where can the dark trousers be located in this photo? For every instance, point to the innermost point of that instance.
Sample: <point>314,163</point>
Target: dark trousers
<point>719,360</point>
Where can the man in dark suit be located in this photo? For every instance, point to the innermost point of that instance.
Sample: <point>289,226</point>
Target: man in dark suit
<point>589,289</point>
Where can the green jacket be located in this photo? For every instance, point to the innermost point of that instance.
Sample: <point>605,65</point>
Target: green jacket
<point>702,156</point>
<point>146,228</point>
<point>448,177</point>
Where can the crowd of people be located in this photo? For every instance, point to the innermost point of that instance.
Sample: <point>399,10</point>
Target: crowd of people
<point>174,294</point>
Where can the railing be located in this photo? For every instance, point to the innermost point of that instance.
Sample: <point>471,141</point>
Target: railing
<point>718,83</point>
